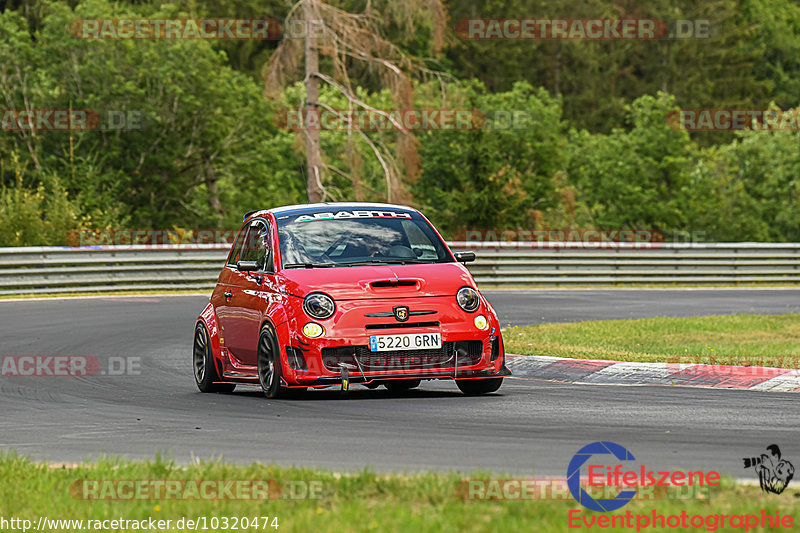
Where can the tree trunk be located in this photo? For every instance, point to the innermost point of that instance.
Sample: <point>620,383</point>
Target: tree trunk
<point>313,149</point>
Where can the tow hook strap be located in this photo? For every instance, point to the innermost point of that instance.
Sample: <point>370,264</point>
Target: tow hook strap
<point>344,370</point>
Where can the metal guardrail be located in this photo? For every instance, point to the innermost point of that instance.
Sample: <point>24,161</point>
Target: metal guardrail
<point>196,266</point>
<point>564,264</point>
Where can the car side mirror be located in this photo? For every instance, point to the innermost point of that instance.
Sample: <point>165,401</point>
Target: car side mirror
<point>247,266</point>
<point>465,257</point>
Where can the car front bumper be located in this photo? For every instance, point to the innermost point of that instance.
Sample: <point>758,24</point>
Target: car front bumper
<point>343,351</point>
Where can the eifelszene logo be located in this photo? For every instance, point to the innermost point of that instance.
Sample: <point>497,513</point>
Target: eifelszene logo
<point>574,476</point>
<point>594,459</point>
<point>774,472</point>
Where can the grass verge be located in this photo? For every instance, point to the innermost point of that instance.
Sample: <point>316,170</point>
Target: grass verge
<point>363,501</point>
<point>758,340</point>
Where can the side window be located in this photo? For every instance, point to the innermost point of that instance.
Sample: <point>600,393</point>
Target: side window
<point>257,246</point>
<point>236,252</point>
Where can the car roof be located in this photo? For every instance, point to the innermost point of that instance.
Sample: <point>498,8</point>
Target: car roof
<point>301,209</point>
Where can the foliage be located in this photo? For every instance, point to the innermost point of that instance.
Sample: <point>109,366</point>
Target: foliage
<point>596,150</point>
<point>503,173</point>
<point>204,126</point>
<point>634,178</point>
<point>36,216</point>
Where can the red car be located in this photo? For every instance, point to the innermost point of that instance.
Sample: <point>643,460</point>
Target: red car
<point>335,294</point>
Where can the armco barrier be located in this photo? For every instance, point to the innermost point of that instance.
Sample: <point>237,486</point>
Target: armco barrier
<point>564,264</point>
<point>115,268</point>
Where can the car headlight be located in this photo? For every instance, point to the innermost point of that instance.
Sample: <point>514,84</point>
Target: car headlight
<point>319,306</point>
<point>481,322</point>
<point>468,299</point>
<point>312,330</point>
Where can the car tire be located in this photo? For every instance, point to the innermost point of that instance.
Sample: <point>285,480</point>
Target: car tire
<point>269,364</point>
<point>476,387</point>
<point>397,385</point>
<point>205,371</point>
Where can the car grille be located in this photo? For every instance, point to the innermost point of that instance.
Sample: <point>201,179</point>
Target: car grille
<point>403,359</point>
<point>400,325</point>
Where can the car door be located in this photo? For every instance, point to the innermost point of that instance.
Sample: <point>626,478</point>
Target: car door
<point>252,294</point>
<point>222,296</point>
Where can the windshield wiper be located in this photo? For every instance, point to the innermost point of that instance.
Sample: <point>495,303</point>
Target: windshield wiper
<point>386,261</point>
<point>309,265</point>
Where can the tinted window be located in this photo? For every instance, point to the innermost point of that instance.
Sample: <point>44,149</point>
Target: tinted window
<point>346,237</point>
<point>236,251</point>
<point>420,242</point>
<point>257,245</point>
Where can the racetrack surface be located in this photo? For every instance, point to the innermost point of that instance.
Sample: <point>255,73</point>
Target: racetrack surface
<point>529,427</point>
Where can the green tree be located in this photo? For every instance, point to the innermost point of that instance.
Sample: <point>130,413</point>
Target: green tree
<point>204,127</point>
<point>635,178</point>
<point>495,176</point>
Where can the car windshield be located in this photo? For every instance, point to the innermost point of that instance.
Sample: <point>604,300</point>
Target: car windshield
<point>349,238</point>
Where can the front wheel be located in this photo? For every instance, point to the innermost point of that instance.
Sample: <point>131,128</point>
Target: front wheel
<point>269,364</point>
<point>205,371</point>
<point>476,387</point>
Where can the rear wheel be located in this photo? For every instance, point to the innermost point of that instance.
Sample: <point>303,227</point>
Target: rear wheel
<point>269,364</point>
<point>476,387</point>
<point>205,372</point>
<point>397,385</point>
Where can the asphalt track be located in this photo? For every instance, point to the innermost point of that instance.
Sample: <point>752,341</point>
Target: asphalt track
<point>529,427</point>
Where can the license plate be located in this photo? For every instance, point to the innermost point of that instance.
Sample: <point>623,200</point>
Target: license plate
<point>408,341</point>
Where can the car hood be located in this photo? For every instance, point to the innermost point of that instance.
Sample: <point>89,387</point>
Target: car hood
<point>378,281</point>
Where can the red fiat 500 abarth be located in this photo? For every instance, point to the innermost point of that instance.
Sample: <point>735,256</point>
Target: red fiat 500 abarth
<point>324,295</point>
